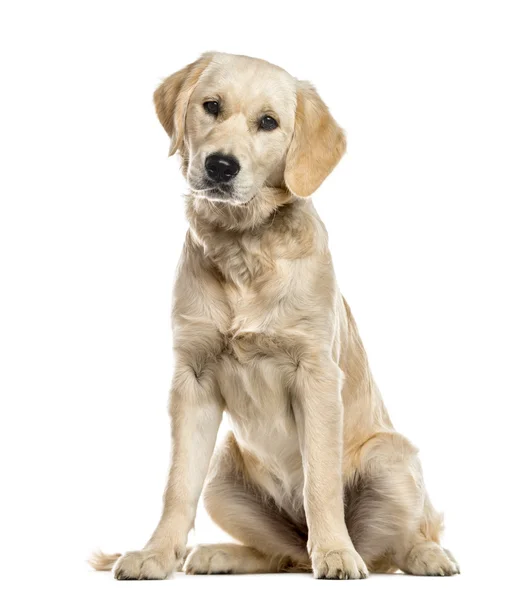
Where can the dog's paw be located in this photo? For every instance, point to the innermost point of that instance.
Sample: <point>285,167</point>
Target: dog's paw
<point>146,564</point>
<point>338,564</point>
<point>209,559</point>
<point>453,560</point>
<point>430,559</point>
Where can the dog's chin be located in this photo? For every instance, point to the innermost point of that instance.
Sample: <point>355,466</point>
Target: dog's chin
<point>230,201</point>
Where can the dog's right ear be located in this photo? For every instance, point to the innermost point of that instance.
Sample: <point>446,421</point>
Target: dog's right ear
<point>172,97</point>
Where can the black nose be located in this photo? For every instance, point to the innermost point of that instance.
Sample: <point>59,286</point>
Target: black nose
<point>221,168</point>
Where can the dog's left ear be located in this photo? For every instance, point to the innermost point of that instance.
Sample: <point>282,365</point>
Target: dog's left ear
<point>317,145</point>
<point>172,96</point>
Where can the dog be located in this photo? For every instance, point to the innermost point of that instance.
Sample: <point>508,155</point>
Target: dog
<point>313,476</point>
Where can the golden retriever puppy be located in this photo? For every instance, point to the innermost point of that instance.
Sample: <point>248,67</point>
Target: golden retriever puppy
<point>313,476</point>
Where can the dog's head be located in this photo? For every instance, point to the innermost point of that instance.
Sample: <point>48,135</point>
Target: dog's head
<point>243,125</point>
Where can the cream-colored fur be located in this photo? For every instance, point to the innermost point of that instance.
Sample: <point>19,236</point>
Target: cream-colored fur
<point>313,475</point>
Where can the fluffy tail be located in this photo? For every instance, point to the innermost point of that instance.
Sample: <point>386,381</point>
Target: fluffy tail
<point>103,562</point>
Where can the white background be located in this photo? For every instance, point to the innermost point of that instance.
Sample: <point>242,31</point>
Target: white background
<point>421,220</point>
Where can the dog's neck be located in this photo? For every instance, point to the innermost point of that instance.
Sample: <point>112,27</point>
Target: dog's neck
<point>230,235</point>
<point>243,242</point>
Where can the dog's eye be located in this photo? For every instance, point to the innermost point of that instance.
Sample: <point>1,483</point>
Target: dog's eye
<point>268,123</point>
<point>212,107</point>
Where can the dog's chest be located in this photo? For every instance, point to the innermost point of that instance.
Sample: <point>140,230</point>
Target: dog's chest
<point>250,304</point>
<point>251,380</point>
<point>251,373</point>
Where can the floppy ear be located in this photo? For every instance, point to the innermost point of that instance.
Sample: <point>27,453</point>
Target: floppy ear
<point>317,145</point>
<point>172,96</point>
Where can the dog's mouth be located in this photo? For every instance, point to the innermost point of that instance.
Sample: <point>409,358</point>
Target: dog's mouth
<point>224,193</point>
<point>221,191</point>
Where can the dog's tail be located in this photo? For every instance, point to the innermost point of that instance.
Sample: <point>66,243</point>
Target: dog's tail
<point>103,562</point>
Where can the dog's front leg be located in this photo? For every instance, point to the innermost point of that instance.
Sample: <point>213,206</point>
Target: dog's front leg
<point>319,416</point>
<point>196,411</point>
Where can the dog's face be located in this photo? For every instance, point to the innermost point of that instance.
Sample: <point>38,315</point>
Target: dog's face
<point>239,124</point>
<point>243,125</point>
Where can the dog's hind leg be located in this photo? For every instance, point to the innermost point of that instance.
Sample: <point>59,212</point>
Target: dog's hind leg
<point>272,540</point>
<point>389,516</point>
